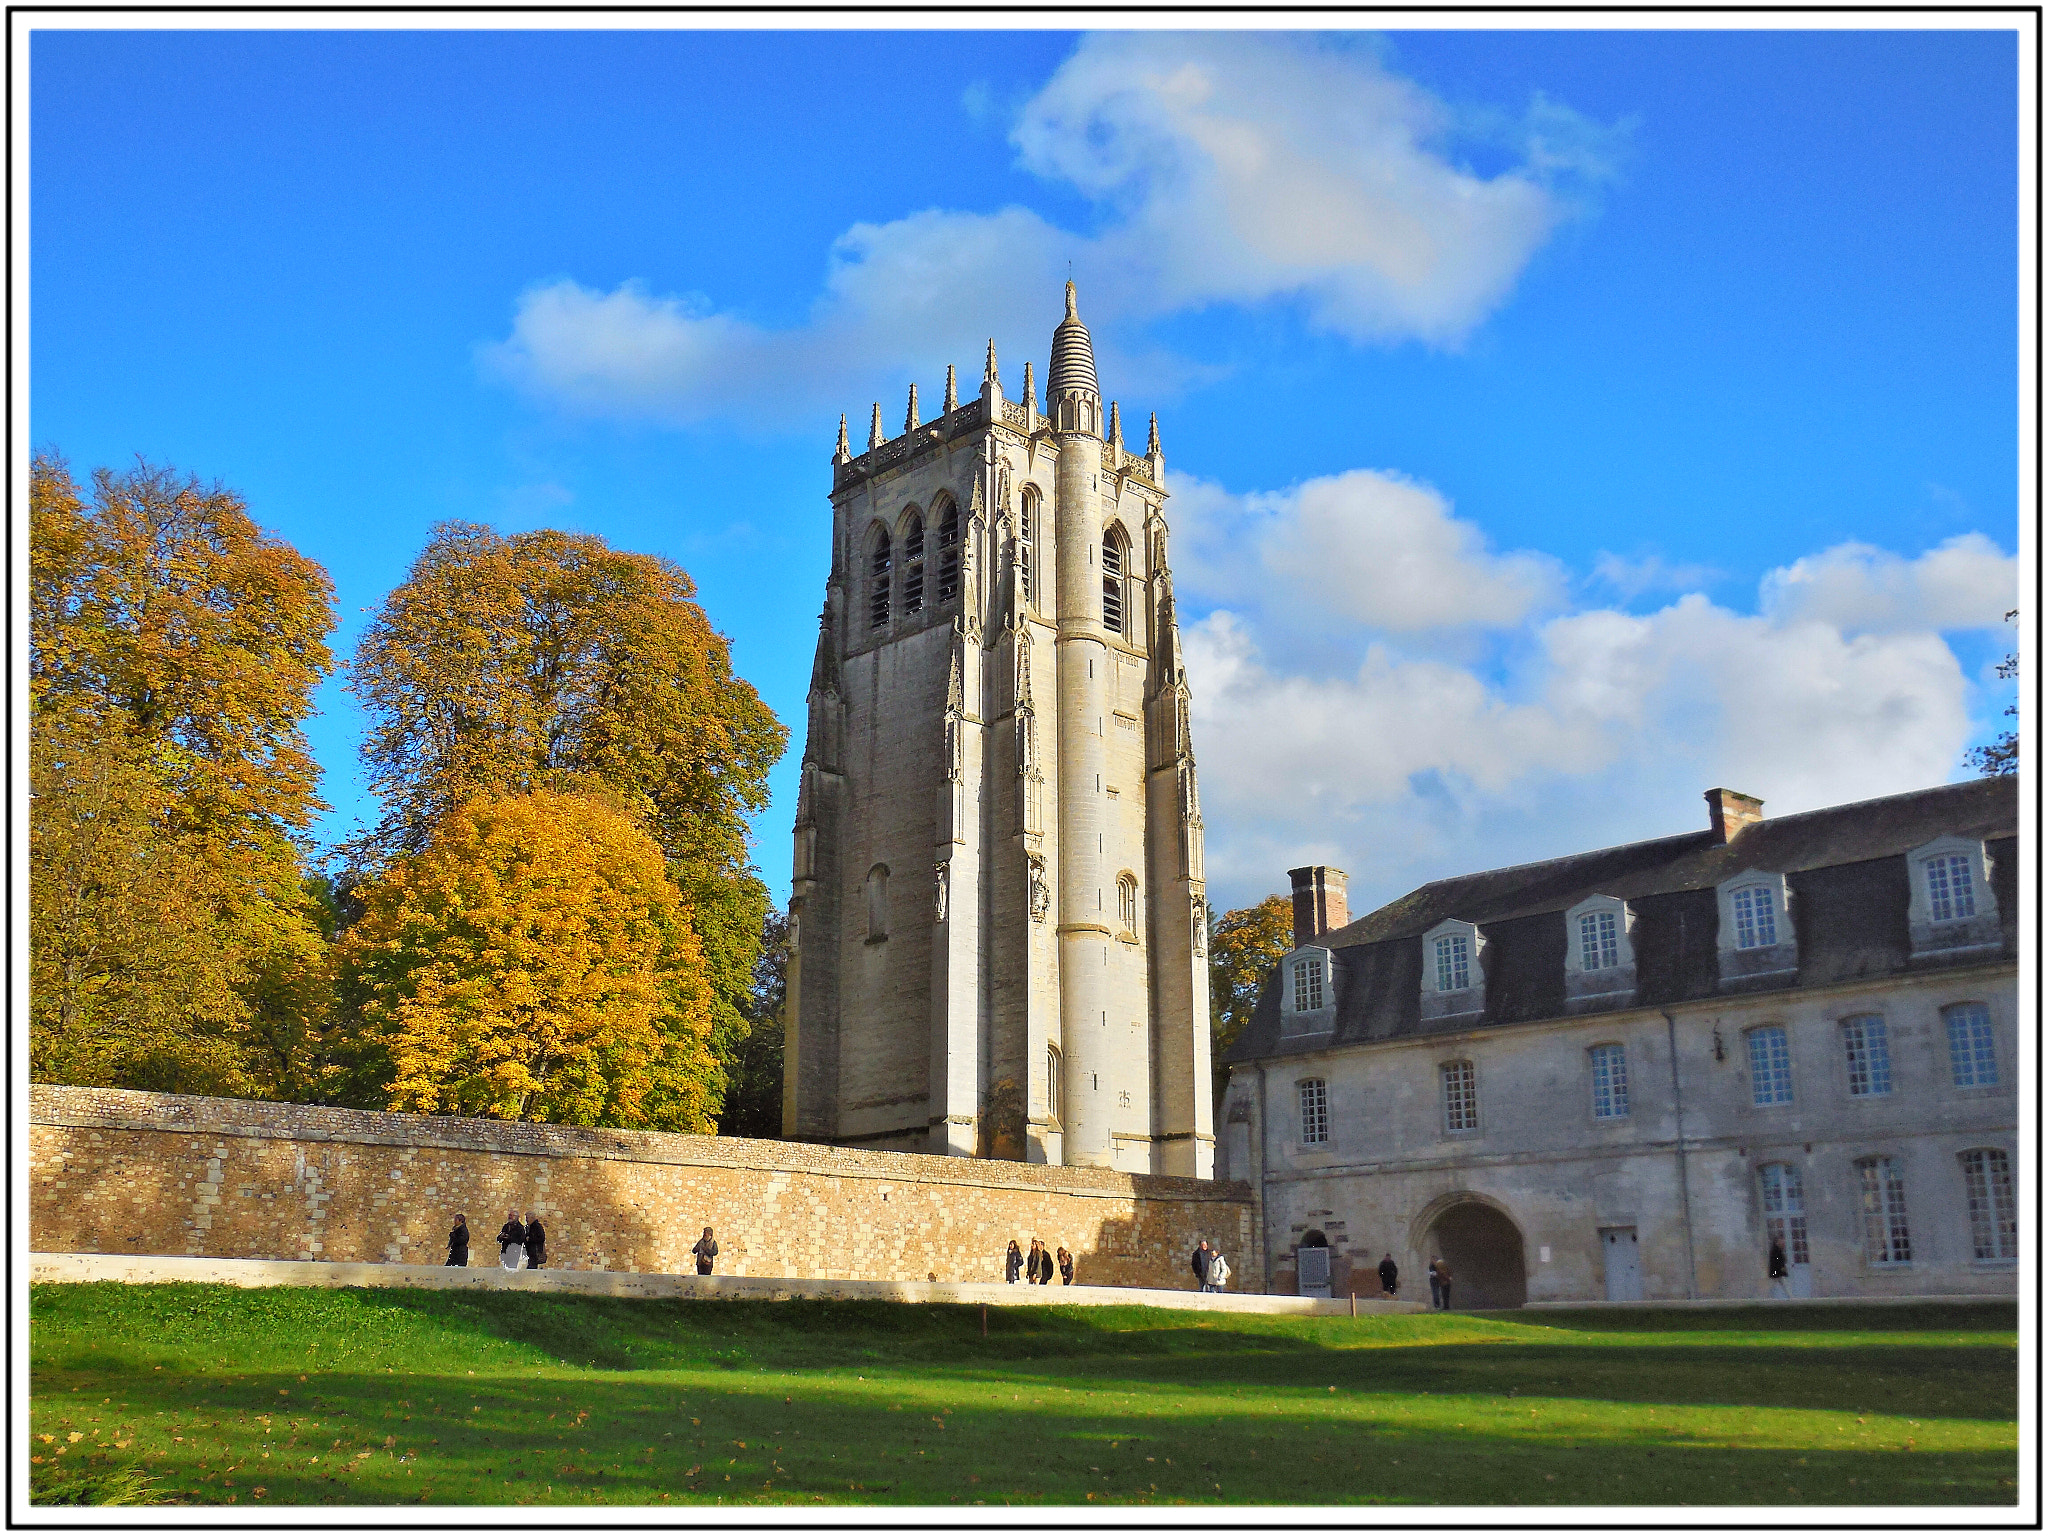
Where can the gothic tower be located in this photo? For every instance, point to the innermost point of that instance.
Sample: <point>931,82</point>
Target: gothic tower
<point>998,941</point>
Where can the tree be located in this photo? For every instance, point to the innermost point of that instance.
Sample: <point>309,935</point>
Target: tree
<point>753,1100</point>
<point>1244,946</point>
<point>534,962</point>
<point>173,650</point>
<point>507,663</point>
<point>2002,755</point>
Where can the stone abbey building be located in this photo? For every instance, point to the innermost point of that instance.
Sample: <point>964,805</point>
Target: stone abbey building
<point>997,915</point>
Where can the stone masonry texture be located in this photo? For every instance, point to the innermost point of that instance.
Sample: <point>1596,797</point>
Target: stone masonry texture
<point>113,1171</point>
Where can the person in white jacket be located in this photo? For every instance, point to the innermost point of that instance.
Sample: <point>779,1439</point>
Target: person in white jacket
<point>1219,1271</point>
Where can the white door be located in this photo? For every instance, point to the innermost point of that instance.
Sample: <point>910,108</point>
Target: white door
<point>1624,1268</point>
<point>1312,1267</point>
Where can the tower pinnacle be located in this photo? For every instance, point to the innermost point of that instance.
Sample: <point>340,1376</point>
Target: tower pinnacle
<point>875,434</point>
<point>952,393</point>
<point>988,371</point>
<point>910,415</point>
<point>842,453</point>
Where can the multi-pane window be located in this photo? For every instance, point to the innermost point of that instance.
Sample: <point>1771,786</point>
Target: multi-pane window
<point>1970,1055</point>
<point>1994,1216</point>
<point>1461,1096</point>
<point>1127,902</point>
<point>913,566</point>
<point>1885,1238</point>
<point>1770,1066</point>
<point>949,553</point>
<point>1950,894</point>
<point>878,583</point>
<point>1870,1055</point>
<point>1112,584</point>
<point>1599,945</point>
<point>1756,916</point>
<point>1315,1112</point>
<point>1784,1210</point>
<point>1453,963</point>
<point>1308,983</point>
<point>1610,1082</point>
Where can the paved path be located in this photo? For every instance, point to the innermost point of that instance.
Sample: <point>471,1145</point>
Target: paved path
<point>149,1269</point>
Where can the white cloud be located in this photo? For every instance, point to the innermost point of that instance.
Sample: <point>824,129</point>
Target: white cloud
<point>1241,169</point>
<point>1965,583</point>
<point>1633,576</point>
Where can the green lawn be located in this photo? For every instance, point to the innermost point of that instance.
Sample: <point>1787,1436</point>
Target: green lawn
<point>208,1394</point>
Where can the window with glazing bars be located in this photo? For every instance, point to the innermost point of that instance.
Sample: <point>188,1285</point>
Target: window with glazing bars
<point>1949,893</point>
<point>1315,1111</point>
<point>1599,949</point>
<point>1770,1066</point>
<point>1112,585</point>
<point>1756,917</point>
<point>1453,963</point>
<point>1994,1215</point>
<point>1784,1210</point>
<point>1308,983</point>
<point>1461,1096</point>
<point>1610,1082</point>
<point>1885,1237</point>
<point>1870,1055</point>
<point>1970,1055</point>
<point>949,554</point>
<point>878,583</point>
<point>913,566</point>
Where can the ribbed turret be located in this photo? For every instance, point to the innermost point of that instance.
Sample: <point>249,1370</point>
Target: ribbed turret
<point>1073,399</point>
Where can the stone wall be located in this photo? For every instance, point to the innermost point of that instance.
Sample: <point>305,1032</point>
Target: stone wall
<point>142,1173</point>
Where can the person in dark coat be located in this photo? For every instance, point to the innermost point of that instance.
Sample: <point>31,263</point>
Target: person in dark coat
<point>1775,1269</point>
<point>1066,1267</point>
<point>1037,1264</point>
<point>1013,1263</point>
<point>706,1250</point>
<point>458,1244</point>
<point>511,1241</point>
<point>1390,1276</point>
<point>1440,1282</point>
<point>1436,1286</point>
<point>536,1241</point>
<point>1198,1261</point>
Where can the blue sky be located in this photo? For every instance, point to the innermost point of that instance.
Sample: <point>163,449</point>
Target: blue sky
<point>1560,423</point>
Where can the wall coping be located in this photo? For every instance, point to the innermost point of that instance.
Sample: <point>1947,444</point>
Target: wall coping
<point>125,1109</point>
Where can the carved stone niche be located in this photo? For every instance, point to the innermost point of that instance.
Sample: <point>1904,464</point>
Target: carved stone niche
<point>1953,910</point>
<point>1600,955</point>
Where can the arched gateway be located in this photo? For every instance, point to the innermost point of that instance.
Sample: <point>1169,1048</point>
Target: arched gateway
<point>1482,1245</point>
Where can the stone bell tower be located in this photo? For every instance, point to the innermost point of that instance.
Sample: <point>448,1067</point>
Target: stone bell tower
<point>999,946</point>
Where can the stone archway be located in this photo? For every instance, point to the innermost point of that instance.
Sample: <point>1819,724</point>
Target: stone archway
<point>1483,1246</point>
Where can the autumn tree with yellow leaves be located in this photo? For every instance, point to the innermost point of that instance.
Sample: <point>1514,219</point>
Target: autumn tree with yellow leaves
<point>175,940</point>
<point>1244,946</point>
<point>533,961</point>
<point>513,663</point>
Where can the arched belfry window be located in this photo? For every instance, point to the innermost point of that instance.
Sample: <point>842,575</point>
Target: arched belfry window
<point>879,562</point>
<point>949,553</point>
<point>1027,531</point>
<point>913,565</point>
<point>1113,582</point>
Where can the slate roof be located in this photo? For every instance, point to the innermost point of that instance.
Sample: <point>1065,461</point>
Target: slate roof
<point>1844,867</point>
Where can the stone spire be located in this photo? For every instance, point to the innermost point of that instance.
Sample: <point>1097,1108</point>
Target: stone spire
<point>843,452</point>
<point>988,369</point>
<point>1152,438</point>
<point>1030,388</point>
<point>952,394</point>
<point>1116,426</point>
<point>1073,399</point>
<point>875,435</point>
<point>910,415</point>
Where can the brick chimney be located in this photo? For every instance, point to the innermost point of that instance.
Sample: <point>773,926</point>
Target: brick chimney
<point>1728,812</point>
<point>1320,902</point>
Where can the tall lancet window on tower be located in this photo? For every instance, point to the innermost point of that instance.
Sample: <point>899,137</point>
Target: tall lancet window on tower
<point>878,581</point>
<point>949,553</point>
<point>1113,582</point>
<point>913,565</point>
<point>1027,522</point>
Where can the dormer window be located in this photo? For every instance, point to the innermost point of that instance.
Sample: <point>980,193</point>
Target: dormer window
<point>1950,894</point>
<point>1453,970</point>
<point>1308,992</point>
<point>1756,916</point>
<point>1600,955</point>
<point>1758,946</point>
<point>1308,983</point>
<point>1598,950</point>
<point>1453,963</point>
<point>1952,909</point>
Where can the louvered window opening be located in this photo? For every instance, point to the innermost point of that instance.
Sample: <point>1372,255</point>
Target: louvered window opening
<point>949,555</point>
<point>913,567</point>
<point>1112,586</point>
<point>879,568</point>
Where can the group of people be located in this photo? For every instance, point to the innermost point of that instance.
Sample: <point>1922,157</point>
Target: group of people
<point>521,1244</point>
<point>524,1244</point>
<point>1210,1267</point>
<point>1037,1267</point>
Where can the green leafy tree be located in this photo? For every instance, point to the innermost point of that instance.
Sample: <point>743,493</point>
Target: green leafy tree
<point>508,663</point>
<point>1244,946</point>
<point>753,1102</point>
<point>2002,754</point>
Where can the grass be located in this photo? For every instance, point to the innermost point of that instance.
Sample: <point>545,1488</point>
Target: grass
<point>206,1394</point>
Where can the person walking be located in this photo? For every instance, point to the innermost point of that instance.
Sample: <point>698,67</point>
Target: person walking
<point>1066,1267</point>
<point>1013,1263</point>
<point>1219,1271</point>
<point>1775,1266</point>
<point>1390,1277</point>
<point>511,1241</point>
<point>536,1241</point>
<point>1436,1286</point>
<point>458,1244</point>
<point>1038,1268</point>
<point>1198,1261</point>
<point>1441,1273</point>
<point>705,1250</point>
